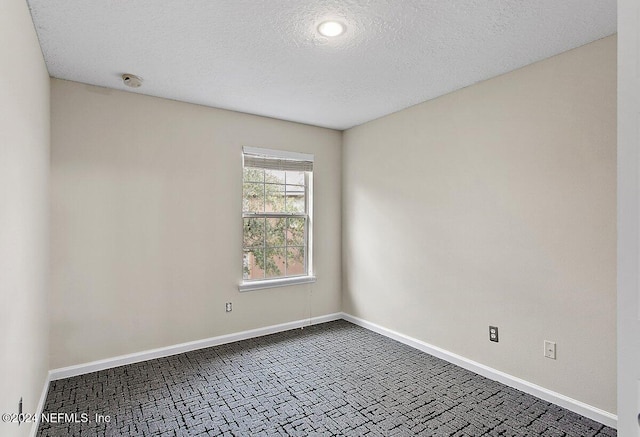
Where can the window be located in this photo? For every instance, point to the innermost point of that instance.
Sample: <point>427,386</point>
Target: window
<point>276,216</point>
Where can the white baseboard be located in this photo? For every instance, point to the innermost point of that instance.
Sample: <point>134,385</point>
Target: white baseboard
<point>574,405</point>
<point>94,366</point>
<point>40,407</point>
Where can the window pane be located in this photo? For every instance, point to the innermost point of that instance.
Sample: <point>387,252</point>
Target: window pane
<point>295,177</point>
<point>295,232</point>
<point>274,198</point>
<point>252,264</point>
<point>295,261</point>
<point>275,220</point>
<point>253,197</point>
<point>274,176</point>
<point>276,231</point>
<point>253,174</point>
<point>295,198</point>
<point>253,232</point>
<point>274,262</point>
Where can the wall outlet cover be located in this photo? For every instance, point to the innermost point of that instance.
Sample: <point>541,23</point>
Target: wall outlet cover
<point>493,333</point>
<point>550,349</point>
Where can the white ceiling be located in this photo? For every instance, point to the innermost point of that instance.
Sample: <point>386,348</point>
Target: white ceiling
<point>265,57</point>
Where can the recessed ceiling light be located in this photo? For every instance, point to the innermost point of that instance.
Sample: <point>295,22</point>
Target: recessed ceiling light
<point>331,28</point>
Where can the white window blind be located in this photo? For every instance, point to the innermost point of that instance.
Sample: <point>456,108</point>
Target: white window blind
<point>277,160</point>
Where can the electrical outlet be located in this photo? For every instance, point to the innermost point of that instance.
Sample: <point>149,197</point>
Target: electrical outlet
<point>493,333</point>
<point>227,307</point>
<point>550,349</point>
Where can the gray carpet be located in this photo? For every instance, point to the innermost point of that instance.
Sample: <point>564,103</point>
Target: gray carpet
<point>326,380</point>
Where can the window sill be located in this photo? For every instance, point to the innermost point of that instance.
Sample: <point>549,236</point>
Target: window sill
<point>273,283</point>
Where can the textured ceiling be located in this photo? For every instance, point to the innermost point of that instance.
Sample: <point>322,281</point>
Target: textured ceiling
<point>264,56</point>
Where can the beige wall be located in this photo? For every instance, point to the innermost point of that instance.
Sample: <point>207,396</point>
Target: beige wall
<point>495,205</point>
<point>24,214</point>
<point>146,223</point>
<point>491,205</point>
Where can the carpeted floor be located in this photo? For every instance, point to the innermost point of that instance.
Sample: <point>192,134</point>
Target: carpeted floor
<point>326,380</point>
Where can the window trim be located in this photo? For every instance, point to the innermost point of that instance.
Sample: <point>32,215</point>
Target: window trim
<point>309,276</point>
<point>259,284</point>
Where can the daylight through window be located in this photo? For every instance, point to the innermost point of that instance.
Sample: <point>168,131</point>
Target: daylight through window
<point>276,199</point>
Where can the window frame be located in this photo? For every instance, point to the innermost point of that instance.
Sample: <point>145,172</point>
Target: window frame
<point>308,275</point>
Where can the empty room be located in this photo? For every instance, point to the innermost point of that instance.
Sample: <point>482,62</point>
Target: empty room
<point>320,217</point>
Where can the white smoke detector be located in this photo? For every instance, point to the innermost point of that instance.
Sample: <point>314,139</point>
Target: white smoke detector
<point>131,80</point>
